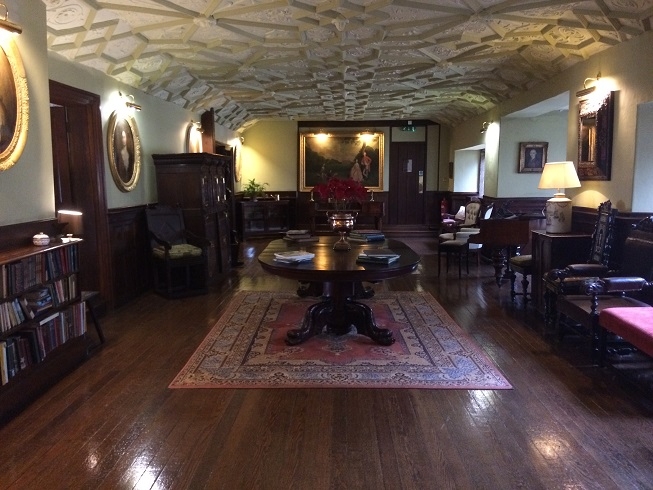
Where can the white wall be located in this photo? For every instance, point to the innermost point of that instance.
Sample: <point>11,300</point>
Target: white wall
<point>269,155</point>
<point>465,170</point>
<point>551,128</point>
<point>643,176</point>
<point>625,68</point>
<point>27,189</point>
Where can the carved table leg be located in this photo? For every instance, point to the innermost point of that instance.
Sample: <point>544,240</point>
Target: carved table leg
<point>499,262</point>
<point>338,314</point>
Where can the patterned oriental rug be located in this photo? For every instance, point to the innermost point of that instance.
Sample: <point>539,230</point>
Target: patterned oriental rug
<point>247,349</point>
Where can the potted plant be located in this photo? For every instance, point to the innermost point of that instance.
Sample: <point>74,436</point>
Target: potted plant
<point>254,189</point>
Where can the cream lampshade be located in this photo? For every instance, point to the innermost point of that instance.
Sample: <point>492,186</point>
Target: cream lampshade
<point>560,176</point>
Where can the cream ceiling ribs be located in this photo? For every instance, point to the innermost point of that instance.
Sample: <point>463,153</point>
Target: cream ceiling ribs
<point>444,60</point>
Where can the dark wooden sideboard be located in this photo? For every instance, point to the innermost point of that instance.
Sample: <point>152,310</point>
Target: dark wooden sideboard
<point>264,217</point>
<point>552,251</point>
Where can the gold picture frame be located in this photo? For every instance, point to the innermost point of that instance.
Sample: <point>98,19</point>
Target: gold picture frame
<point>345,154</point>
<point>14,104</point>
<point>124,148</point>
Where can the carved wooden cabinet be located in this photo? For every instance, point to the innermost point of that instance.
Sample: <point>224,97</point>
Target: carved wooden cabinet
<point>198,183</point>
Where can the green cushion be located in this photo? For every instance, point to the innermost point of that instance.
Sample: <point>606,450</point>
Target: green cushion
<point>178,251</point>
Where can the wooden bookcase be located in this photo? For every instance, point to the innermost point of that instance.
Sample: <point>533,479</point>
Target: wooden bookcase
<point>42,321</point>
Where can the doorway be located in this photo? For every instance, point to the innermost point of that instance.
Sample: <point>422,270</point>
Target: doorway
<point>407,180</point>
<point>79,178</point>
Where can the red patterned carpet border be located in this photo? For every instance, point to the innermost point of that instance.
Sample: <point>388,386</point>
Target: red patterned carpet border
<point>246,349</point>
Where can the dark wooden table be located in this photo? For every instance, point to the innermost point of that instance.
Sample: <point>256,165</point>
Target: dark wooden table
<point>339,272</point>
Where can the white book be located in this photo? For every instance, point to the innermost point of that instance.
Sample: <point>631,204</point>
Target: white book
<point>294,255</point>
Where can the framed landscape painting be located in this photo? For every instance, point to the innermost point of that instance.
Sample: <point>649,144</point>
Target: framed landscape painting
<point>352,154</point>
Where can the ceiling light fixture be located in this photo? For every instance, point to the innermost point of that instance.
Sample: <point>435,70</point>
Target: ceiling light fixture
<point>7,25</point>
<point>588,90</point>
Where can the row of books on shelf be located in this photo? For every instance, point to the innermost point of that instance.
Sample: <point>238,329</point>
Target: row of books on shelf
<point>300,236</point>
<point>33,343</point>
<point>366,236</point>
<point>36,301</point>
<point>378,256</point>
<point>23,274</point>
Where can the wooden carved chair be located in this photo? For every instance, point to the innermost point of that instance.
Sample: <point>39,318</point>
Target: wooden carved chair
<point>180,259</point>
<point>628,286</point>
<point>572,279</point>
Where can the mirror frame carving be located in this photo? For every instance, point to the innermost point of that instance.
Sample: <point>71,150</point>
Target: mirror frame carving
<point>599,107</point>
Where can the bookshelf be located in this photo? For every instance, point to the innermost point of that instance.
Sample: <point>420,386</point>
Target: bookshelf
<point>42,321</point>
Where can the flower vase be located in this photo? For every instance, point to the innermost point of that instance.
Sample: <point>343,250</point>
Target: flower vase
<point>342,223</point>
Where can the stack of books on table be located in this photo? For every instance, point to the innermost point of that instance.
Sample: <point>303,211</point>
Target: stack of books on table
<point>293,256</point>
<point>378,256</point>
<point>366,236</point>
<point>299,236</point>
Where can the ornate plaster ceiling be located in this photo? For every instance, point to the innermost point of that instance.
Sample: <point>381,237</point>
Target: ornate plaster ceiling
<point>344,60</point>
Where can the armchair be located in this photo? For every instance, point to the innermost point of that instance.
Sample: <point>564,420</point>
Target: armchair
<point>572,279</point>
<point>180,258</point>
<point>627,287</point>
<point>454,222</point>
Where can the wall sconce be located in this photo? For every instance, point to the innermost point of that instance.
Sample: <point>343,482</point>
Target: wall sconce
<point>485,126</point>
<point>71,222</point>
<point>197,126</point>
<point>130,104</point>
<point>7,25</point>
<point>588,90</point>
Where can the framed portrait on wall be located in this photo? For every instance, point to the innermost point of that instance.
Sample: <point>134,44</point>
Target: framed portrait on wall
<point>124,148</point>
<point>14,104</point>
<point>532,156</point>
<point>358,155</point>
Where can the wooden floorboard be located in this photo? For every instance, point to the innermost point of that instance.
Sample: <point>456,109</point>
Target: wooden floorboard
<point>114,424</point>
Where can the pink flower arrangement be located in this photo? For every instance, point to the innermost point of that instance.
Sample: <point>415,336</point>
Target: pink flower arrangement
<point>341,191</point>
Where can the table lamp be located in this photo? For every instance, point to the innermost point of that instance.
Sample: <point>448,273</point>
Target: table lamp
<point>560,176</point>
<point>71,223</point>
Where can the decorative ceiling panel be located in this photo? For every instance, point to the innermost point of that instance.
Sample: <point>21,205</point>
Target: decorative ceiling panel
<point>249,60</point>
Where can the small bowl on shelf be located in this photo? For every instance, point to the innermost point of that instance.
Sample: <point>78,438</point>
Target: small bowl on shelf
<point>41,239</point>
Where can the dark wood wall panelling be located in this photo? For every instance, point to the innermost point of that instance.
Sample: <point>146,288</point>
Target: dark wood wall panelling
<point>130,256</point>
